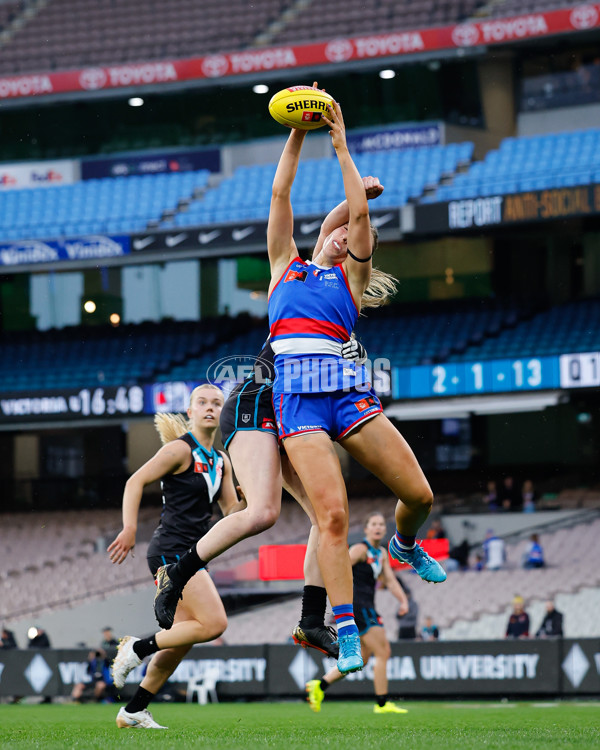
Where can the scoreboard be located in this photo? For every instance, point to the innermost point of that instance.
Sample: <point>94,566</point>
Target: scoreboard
<point>450,379</point>
<point>497,376</point>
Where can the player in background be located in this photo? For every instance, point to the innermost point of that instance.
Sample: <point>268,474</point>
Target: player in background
<point>370,564</point>
<point>193,476</point>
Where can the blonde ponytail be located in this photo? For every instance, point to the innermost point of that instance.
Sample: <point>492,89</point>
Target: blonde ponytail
<point>382,285</point>
<point>170,426</point>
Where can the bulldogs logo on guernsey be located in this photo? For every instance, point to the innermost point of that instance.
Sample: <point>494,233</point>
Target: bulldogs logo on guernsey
<point>309,322</point>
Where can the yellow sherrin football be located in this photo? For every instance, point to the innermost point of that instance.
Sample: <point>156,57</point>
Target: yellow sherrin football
<point>300,107</point>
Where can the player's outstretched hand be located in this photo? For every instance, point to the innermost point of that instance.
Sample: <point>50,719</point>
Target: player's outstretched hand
<point>121,546</point>
<point>335,120</point>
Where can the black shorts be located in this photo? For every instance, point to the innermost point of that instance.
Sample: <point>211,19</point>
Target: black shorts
<point>250,405</point>
<point>366,618</point>
<point>157,561</point>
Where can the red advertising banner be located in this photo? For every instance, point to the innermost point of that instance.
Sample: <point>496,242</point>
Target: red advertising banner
<point>487,32</point>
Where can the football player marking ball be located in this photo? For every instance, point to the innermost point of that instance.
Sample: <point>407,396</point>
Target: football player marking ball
<point>300,107</point>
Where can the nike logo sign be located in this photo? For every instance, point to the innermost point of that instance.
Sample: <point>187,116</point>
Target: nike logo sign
<point>309,226</point>
<point>241,234</point>
<point>141,244</point>
<point>176,239</point>
<point>378,221</point>
<point>206,237</point>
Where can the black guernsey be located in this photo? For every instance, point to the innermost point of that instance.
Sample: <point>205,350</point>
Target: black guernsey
<point>188,500</point>
<point>365,575</point>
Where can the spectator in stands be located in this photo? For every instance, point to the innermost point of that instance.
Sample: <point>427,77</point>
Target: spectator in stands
<point>491,497</point>
<point>429,631</point>
<point>510,497</point>
<point>7,639</point>
<point>518,622</point>
<point>534,555</point>
<point>352,415</point>
<point>98,670</point>
<point>108,639</point>
<point>436,530</point>
<point>552,624</point>
<point>528,497</point>
<point>370,565</point>
<point>407,621</point>
<point>38,638</point>
<point>494,551</point>
<point>194,475</point>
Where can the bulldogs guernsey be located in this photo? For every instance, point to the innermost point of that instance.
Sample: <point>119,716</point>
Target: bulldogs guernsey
<point>188,500</point>
<point>311,314</point>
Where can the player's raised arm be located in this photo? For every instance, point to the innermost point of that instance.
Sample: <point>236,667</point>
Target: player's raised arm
<point>360,240</point>
<point>280,241</point>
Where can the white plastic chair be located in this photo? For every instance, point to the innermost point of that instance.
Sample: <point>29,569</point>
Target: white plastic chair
<point>203,687</point>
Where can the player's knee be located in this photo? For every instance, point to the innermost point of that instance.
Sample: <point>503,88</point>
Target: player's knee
<point>334,522</point>
<point>218,626</point>
<point>426,498</point>
<point>421,500</point>
<point>262,519</point>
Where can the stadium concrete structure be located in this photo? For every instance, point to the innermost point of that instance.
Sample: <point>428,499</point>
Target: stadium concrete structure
<point>135,173</point>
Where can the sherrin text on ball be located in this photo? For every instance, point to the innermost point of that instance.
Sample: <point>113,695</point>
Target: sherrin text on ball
<point>300,107</point>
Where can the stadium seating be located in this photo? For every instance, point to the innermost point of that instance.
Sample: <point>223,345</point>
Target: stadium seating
<point>53,560</point>
<point>473,597</point>
<point>360,17</point>
<point>529,163</point>
<point>129,354</point>
<point>77,33</point>
<point>507,8</point>
<point>405,334</point>
<point>572,327</point>
<point>111,205</point>
<point>318,185</point>
<point>66,34</point>
<point>129,204</point>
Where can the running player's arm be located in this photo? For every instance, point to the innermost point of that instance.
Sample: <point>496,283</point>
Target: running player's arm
<point>229,501</point>
<point>391,583</point>
<point>358,553</point>
<point>170,459</point>
<point>339,215</point>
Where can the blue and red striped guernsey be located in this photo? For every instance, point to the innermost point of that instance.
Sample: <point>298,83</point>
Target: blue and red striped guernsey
<point>311,310</point>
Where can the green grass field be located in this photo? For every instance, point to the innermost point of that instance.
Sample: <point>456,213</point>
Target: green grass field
<point>292,726</point>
